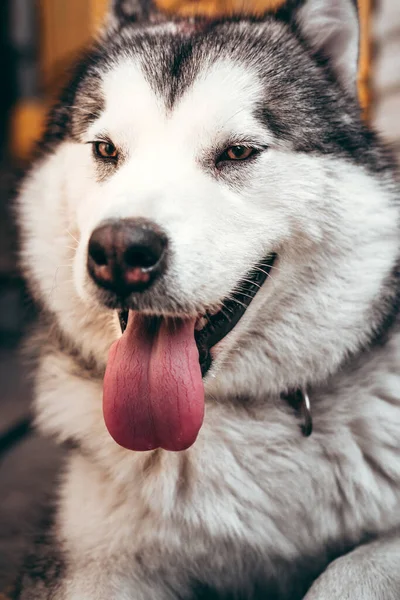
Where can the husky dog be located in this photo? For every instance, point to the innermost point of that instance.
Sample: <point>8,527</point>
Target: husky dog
<point>213,235</point>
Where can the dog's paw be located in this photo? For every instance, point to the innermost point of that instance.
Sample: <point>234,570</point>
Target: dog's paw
<point>349,578</point>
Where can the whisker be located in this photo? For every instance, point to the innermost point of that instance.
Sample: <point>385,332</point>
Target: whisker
<point>224,313</point>
<point>252,283</point>
<point>74,238</point>
<point>227,307</point>
<point>267,266</point>
<point>268,273</point>
<point>247,295</point>
<point>237,302</point>
<point>232,117</point>
<point>261,270</point>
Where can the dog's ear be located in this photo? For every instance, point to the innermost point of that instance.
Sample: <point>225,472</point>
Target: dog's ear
<point>331,28</point>
<point>134,11</point>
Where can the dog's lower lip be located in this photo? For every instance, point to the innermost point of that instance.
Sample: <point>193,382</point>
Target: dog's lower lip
<point>221,323</point>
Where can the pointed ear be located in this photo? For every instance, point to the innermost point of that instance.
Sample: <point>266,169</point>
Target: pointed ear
<point>331,28</point>
<point>134,11</point>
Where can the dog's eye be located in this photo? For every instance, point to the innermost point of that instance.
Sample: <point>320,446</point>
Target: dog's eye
<point>105,150</point>
<point>237,153</point>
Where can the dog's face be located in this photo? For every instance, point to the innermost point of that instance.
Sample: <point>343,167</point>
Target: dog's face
<point>176,167</point>
<point>200,155</point>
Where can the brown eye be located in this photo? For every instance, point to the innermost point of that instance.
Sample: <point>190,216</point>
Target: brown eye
<point>237,153</point>
<point>105,150</point>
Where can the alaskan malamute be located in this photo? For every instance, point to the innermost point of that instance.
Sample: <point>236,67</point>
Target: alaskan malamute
<point>212,233</point>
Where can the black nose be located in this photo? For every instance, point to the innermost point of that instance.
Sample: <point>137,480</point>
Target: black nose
<point>126,256</point>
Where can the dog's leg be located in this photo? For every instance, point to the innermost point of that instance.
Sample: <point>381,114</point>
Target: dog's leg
<point>371,572</point>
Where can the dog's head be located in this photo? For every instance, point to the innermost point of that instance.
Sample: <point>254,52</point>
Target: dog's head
<point>224,193</point>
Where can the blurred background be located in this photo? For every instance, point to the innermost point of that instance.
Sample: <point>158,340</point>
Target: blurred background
<point>39,40</point>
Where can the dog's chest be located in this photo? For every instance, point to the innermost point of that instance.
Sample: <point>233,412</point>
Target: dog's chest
<point>264,518</point>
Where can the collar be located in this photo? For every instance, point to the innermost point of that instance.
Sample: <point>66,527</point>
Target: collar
<point>299,400</point>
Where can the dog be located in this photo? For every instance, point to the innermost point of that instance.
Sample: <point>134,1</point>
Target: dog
<point>211,231</point>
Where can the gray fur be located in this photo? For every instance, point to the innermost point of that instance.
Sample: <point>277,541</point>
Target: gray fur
<point>253,510</point>
<point>134,11</point>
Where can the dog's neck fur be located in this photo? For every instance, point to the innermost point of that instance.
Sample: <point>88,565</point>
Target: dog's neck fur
<point>258,451</point>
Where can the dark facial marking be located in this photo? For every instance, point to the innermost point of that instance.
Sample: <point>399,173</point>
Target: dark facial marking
<point>136,11</point>
<point>302,103</point>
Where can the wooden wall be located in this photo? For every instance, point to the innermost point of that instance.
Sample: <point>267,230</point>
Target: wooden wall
<point>386,71</point>
<point>67,26</point>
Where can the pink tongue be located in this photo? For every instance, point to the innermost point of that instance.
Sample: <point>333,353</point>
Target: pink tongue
<point>153,389</point>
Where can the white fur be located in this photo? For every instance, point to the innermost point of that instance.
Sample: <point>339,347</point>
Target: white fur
<point>342,227</point>
<point>255,482</point>
<point>251,483</point>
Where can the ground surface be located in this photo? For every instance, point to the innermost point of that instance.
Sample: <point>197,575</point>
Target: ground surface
<point>28,463</point>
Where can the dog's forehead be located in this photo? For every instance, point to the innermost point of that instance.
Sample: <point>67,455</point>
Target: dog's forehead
<point>219,91</point>
<point>165,65</point>
<point>225,72</point>
<point>184,28</point>
<point>173,55</point>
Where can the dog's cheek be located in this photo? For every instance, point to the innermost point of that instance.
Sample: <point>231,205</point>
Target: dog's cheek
<point>81,202</point>
<point>213,251</point>
<point>296,203</point>
<point>82,191</point>
<point>79,270</point>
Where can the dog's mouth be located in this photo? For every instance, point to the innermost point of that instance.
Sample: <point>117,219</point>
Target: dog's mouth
<point>219,325</point>
<point>212,327</point>
<point>153,386</point>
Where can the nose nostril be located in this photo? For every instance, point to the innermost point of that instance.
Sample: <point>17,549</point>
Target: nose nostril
<point>127,256</point>
<point>98,254</point>
<point>144,257</point>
